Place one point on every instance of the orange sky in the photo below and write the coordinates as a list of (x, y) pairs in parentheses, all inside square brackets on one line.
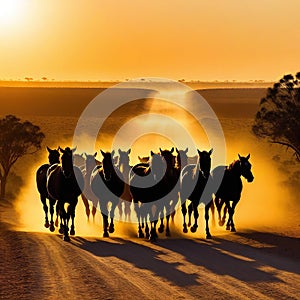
[(118, 39)]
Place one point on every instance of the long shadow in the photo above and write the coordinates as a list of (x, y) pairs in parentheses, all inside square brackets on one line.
[(141, 256), (212, 256), (281, 245)]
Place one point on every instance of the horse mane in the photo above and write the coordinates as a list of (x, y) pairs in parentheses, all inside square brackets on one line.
[(234, 165)]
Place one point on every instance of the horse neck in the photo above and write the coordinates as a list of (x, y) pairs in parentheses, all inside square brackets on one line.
[(124, 168), (199, 169), (53, 160), (235, 169)]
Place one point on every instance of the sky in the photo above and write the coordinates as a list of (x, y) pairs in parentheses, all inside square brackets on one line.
[(176, 39)]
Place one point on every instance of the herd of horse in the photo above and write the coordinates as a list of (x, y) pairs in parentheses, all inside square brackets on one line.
[(154, 186)]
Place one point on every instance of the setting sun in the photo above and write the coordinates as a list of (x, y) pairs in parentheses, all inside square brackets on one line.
[(10, 11)]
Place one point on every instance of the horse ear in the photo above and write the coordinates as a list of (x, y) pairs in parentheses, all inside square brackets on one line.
[(239, 156), (186, 150), (128, 151), (152, 153), (61, 150), (74, 149), (139, 158), (102, 152), (177, 151), (84, 154), (248, 156), (95, 154), (172, 150), (211, 151), (199, 152), (113, 153), (49, 150), (159, 150), (119, 151)]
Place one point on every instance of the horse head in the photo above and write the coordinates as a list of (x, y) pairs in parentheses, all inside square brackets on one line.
[(107, 164), (144, 159), (245, 166), (53, 156), (204, 161), (181, 158), (157, 165), (124, 157), (90, 161), (67, 161)]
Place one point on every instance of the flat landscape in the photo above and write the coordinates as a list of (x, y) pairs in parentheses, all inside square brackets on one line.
[(261, 260)]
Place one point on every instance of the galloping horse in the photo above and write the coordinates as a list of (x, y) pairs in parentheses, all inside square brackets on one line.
[(41, 182), (231, 187), (169, 189), (193, 180), (126, 198), (108, 185), (146, 186), (65, 183), (88, 195)]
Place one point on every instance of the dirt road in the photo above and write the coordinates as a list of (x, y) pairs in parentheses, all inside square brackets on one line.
[(247, 265)]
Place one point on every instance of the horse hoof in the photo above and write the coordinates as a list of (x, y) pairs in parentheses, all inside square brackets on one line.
[(168, 233), (141, 235), (72, 232), (233, 229), (56, 223), (105, 234), (152, 238), (193, 229), (189, 224), (47, 224), (52, 228), (185, 230), (111, 229), (66, 238), (227, 227), (161, 229), (208, 236), (221, 223), (61, 230)]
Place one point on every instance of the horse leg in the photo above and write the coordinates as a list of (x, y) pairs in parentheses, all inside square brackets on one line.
[(196, 215), (183, 211), (94, 213), (231, 217), (104, 212), (112, 215), (207, 207), (86, 204), (212, 208), (168, 213), (64, 218), (52, 203), (162, 216), (228, 224), (224, 215), (127, 210), (153, 233), (72, 215), (120, 208), (138, 214), (45, 208), (190, 210)]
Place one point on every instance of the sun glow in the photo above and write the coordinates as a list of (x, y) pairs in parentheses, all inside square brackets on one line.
[(10, 11)]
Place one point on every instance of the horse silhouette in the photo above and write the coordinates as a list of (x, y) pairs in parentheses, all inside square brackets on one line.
[(169, 189), (146, 187), (193, 180), (108, 185), (87, 195), (41, 182), (65, 183), (126, 198), (231, 187)]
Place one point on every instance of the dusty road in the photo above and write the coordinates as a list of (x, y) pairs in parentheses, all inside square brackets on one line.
[(247, 265)]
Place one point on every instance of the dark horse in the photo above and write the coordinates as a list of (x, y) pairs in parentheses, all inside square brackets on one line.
[(65, 183), (193, 180), (231, 187), (108, 185), (41, 182), (150, 190)]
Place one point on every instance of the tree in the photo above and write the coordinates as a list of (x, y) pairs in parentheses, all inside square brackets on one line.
[(16, 140), (278, 118)]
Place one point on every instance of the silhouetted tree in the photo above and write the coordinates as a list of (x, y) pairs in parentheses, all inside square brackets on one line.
[(278, 118), (16, 140)]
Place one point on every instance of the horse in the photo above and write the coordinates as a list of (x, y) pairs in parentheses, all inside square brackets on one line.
[(88, 195), (150, 189), (126, 198), (65, 183), (231, 187), (41, 182), (108, 185), (170, 186), (193, 179)]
